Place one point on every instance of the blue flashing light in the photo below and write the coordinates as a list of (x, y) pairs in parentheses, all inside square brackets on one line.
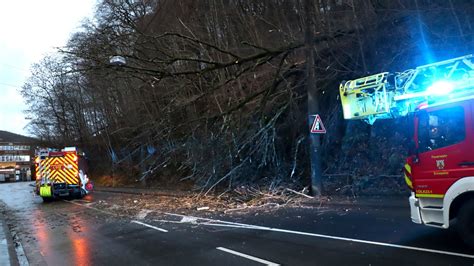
[(441, 87)]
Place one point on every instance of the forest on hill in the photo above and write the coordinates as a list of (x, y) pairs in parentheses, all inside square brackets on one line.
[(213, 94)]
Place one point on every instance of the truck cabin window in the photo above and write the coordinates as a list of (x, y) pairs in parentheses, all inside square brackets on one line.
[(441, 128)]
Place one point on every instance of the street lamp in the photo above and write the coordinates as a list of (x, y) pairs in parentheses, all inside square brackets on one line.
[(117, 60)]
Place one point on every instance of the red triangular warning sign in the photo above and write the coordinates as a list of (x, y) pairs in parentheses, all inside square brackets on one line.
[(318, 126)]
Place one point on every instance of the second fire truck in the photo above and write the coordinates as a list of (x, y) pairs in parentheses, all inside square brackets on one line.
[(61, 174)]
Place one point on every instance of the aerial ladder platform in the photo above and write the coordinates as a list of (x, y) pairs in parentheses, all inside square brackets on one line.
[(390, 95)]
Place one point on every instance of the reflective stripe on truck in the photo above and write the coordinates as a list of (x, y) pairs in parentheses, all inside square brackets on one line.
[(61, 169)]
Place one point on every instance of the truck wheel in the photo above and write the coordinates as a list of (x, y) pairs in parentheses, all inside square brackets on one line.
[(465, 224)]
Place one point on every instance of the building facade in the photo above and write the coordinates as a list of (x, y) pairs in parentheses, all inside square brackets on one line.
[(16, 157)]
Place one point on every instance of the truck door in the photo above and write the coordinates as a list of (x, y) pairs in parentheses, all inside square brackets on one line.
[(444, 149)]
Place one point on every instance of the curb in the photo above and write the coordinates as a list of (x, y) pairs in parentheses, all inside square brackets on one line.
[(10, 246), (139, 191), (388, 202)]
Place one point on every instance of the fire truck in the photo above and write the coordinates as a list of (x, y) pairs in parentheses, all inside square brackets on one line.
[(439, 170), (61, 174)]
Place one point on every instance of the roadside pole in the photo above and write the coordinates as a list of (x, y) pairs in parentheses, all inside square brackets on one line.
[(313, 104)]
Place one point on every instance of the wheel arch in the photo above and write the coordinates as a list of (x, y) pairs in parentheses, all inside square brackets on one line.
[(460, 192), (458, 202)]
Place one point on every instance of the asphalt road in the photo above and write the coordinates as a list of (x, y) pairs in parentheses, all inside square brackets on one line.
[(375, 232)]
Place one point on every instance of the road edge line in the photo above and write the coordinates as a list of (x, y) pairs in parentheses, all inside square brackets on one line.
[(220, 223)]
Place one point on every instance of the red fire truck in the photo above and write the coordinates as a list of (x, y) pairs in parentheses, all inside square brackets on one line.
[(440, 167), (61, 173)]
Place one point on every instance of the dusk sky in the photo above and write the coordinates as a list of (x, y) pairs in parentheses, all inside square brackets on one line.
[(29, 30)]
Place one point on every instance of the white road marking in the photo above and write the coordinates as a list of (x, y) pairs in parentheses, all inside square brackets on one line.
[(219, 223), (266, 262), (194, 219), (150, 226), (114, 214), (92, 208)]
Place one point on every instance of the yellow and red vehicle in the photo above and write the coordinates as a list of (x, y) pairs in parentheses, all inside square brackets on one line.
[(440, 168), (61, 173)]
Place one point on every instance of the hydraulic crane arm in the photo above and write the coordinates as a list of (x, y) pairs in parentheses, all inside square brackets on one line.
[(389, 95)]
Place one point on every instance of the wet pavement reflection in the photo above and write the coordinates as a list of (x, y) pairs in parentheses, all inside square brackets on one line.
[(79, 232), (81, 251), (57, 232)]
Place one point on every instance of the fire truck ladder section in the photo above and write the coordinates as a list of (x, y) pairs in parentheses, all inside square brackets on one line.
[(389, 95)]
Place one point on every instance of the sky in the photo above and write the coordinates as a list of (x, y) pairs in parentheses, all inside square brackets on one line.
[(30, 29)]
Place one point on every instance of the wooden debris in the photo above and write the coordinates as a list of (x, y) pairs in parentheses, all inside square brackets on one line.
[(299, 193)]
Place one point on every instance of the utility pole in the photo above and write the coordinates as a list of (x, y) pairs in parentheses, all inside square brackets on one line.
[(313, 103)]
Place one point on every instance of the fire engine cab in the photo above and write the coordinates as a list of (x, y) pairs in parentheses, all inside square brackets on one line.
[(440, 167), (61, 173)]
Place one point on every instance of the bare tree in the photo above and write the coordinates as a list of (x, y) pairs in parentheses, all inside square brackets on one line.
[(213, 91)]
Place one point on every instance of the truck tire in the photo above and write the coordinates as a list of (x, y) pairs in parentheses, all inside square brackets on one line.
[(465, 225)]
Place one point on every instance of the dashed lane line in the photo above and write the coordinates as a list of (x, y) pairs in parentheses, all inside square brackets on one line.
[(266, 262)]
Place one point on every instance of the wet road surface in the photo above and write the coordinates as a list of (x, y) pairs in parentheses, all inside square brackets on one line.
[(76, 233)]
